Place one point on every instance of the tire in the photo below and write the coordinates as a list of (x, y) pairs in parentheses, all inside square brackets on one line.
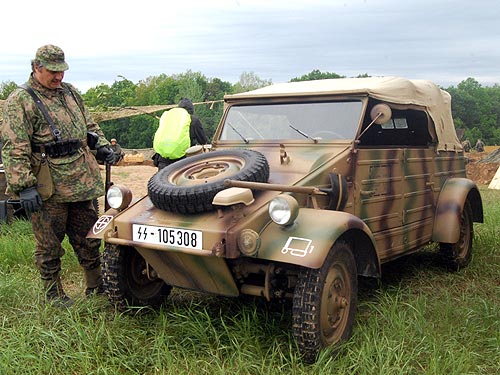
[(458, 255), (189, 185), (95, 203), (325, 302), (126, 282)]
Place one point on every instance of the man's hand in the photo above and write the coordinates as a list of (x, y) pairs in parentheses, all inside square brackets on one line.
[(105, 155), (30, 199)]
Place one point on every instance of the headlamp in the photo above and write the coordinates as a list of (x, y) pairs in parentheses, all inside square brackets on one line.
[(118, 197), (283, 210)]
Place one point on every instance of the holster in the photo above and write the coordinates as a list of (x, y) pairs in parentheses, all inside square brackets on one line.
[(45, 185)]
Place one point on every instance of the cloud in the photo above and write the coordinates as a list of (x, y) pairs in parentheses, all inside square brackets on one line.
[(445, 41)]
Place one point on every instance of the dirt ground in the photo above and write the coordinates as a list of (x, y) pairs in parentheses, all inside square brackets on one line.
[(135, 177), (479, 172)]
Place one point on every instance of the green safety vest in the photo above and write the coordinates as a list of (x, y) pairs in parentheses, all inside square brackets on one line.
[(172, 136)]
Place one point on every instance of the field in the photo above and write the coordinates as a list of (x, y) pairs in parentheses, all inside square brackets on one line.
[(420, 319)]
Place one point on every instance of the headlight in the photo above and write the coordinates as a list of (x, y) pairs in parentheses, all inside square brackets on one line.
[(283, 210), (118, 197)]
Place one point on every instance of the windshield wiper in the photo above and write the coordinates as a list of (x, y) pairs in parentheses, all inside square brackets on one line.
[(237, 132), (302, 133)]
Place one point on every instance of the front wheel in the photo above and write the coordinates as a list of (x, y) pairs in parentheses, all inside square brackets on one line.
[(324, 303), (458, 255), (129, 281)]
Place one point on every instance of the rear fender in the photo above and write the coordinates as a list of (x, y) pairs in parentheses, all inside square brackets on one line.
[(309, 239), (450, 204)]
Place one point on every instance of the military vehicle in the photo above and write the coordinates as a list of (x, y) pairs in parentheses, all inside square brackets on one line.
[(306, 187)]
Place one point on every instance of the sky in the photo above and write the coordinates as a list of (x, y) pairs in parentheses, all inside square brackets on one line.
[(445, 41)]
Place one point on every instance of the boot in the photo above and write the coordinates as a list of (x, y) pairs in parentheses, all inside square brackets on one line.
[(93, 281), (55, 293)]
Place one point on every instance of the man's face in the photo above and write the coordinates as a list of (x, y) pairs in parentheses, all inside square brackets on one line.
[(48, 78)]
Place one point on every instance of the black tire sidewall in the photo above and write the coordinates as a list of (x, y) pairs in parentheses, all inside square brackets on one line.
[(453, 256), (119, 285), (197, 198), (307, 304)]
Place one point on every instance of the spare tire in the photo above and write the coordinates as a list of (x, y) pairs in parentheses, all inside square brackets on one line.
[(189, 185)]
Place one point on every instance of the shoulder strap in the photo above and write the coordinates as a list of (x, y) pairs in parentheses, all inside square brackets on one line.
[(53, 128), (77, 99)]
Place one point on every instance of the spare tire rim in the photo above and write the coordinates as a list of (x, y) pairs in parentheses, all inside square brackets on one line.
[(207, 171)]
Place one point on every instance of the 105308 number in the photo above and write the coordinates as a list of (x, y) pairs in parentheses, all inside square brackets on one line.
[(190, 239)]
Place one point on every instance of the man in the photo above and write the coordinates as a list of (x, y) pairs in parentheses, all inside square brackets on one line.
[(196, 134), (466, 145), (119, 154), (479, 145), (50, 167)]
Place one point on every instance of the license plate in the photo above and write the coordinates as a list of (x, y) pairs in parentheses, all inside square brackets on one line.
[(188, 239)]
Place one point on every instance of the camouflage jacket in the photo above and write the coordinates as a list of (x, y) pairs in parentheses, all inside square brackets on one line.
[(76, 177), (117, 149)]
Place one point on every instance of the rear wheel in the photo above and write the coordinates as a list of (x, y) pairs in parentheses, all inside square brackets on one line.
[(458, 255), (324, 303), (129, 281)]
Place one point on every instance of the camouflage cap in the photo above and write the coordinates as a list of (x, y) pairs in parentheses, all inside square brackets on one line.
[(51, 57)]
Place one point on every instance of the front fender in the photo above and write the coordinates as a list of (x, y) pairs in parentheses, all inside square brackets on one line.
[(450, 204), (103, 224), (308, 241)]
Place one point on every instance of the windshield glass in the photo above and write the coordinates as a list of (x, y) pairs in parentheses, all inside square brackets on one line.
[(321, 121)]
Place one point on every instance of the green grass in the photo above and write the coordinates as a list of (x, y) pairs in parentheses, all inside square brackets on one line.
[(421, 319)]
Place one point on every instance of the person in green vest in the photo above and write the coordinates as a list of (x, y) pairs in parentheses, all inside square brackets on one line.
[(179, 129)]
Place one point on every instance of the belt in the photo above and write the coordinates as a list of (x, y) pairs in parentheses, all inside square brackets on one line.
[(59, 148)]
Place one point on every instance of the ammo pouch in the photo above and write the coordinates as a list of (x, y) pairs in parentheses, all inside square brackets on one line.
[(58, 149)]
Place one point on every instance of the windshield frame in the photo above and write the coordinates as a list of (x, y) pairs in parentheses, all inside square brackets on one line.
[(297, 130)]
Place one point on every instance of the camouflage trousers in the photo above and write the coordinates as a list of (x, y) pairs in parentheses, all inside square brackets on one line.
[(52, 223)]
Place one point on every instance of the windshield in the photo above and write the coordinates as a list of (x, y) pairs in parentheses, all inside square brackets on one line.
[(318, 121)]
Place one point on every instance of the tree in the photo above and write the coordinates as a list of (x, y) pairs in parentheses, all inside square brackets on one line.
[(191, 85), (476, 109), (250, 81), (6, 88), (160, 89), (315, 75), (99, 97)]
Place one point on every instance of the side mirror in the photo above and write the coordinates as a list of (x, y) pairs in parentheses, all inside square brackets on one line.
[(380, 114)]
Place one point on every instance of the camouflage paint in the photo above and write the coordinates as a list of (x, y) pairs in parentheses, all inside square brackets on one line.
[(449, 208), (394, 206)]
